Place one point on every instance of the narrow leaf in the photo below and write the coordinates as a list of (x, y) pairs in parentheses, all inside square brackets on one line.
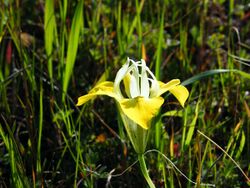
[(49, 32), (76, 27), (213, 72)]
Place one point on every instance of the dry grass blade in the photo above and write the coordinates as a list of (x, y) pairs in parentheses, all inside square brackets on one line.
[(238, 166)]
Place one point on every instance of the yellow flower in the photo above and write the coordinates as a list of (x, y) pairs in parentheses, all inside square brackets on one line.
[(138, 95), (141, 99)]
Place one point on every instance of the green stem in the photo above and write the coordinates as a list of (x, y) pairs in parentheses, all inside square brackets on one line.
[(144, 170)]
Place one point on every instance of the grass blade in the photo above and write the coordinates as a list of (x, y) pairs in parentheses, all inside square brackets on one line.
[(192, 127), (157, 72), (38, 161), (77, 24), (213, 72), (49, 33), (159, 46), (18, 178), (236, 164)]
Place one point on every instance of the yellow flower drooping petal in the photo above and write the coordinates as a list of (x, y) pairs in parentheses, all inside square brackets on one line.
[(166, 87), (141, 110), (104, 88), (181, 93)]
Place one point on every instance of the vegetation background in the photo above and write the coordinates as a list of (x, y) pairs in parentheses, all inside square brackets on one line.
[(52, 52)]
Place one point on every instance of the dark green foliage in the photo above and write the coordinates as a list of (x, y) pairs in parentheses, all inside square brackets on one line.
[(52, 52)]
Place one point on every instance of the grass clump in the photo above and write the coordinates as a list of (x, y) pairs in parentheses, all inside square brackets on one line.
[(51, 52)]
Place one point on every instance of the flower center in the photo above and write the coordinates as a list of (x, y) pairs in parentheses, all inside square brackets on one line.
[(138, 80)]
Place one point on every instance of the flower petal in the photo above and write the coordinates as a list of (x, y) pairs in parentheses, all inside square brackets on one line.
[(141, 110), (181, 93), (154, 90), (134, 85), (126, 82), (104, 88), (144, 80), (119, 76), (166, 87)]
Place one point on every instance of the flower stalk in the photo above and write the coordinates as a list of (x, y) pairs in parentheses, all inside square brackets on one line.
[(144, 170)]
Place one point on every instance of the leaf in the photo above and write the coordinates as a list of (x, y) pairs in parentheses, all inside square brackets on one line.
[(76, 27), (213, 72), (49, 32), (242, 144), (175, 113), (192, 126)]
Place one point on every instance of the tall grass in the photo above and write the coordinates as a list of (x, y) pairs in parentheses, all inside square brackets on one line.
[(50, 34), (77, 26), (52, 52)]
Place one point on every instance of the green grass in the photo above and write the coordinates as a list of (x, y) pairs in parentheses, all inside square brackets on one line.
[(52, 52)]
